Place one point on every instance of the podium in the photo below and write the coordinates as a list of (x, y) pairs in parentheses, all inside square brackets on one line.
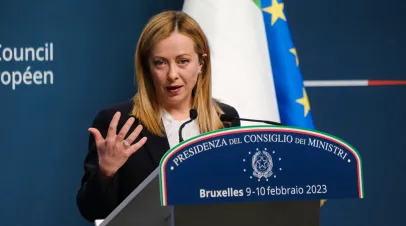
[(243, 176)]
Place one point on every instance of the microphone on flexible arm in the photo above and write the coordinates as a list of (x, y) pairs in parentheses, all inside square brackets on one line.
[(192, 116), (228, 118)]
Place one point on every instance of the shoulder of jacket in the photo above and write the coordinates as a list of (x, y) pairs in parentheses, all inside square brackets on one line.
[(107, 113), (227, 108)]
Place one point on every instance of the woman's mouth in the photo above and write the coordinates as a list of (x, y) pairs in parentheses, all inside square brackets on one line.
[(174, 89)]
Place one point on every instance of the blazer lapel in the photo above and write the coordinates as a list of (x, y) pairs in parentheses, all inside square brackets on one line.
[(156, 146)]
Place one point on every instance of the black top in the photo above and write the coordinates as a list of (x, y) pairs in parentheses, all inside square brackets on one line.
[(96, 200)]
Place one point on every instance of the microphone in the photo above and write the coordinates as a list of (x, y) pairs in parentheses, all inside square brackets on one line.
[(193, 116), (228, 118)]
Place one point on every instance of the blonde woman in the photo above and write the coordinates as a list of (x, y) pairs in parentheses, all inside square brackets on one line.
[(128, 140)]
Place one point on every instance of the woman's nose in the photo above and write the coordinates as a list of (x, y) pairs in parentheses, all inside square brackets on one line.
[(173, 72)]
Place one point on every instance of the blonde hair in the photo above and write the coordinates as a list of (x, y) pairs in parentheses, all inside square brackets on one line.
[(145, 107)]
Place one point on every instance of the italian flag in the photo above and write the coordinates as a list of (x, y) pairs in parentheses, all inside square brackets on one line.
[(241, 69)]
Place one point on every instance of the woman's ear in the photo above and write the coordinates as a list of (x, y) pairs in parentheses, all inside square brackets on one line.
[(201, 66)]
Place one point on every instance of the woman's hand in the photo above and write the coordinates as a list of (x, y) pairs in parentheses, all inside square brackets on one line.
[(115, 150)]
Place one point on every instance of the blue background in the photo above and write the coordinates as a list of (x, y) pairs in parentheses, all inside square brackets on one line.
[(44, 128)]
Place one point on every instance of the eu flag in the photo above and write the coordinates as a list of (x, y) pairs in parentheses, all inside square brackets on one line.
[(293, 103)]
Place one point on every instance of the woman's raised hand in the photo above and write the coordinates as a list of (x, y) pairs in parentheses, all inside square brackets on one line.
[(114, 150)]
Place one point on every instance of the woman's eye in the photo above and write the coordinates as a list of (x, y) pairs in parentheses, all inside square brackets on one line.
[(184, 61), (158, 62)]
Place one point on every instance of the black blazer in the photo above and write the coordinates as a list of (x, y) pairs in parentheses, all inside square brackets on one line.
[(95, 199)]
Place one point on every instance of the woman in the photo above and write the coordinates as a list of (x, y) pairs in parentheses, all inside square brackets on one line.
[(128, 140)]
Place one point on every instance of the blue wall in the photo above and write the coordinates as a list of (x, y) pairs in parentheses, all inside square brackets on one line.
[(360, 39), (44, 127)]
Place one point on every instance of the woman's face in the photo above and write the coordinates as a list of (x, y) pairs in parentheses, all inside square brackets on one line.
[(174, 67)]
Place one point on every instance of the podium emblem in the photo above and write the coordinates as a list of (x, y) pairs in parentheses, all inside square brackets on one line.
[(262, 164)]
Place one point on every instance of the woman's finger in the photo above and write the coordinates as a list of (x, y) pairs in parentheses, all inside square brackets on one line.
[(97, 136), (130, 139), (124, 130), (135, 147), (112, 131)]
